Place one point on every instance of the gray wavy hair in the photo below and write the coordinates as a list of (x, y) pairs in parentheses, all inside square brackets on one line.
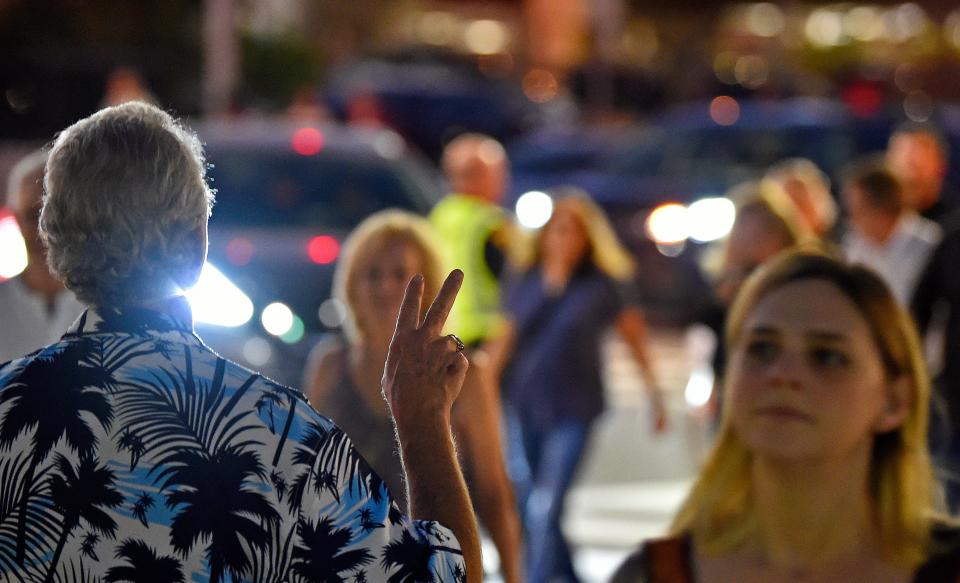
[(125, 196)]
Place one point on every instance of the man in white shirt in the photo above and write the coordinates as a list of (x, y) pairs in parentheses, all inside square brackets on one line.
[(35, 308), (884, 234)]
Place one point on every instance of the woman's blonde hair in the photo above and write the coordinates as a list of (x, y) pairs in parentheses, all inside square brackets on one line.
[(718, 511), (606, 252), (372, 236)]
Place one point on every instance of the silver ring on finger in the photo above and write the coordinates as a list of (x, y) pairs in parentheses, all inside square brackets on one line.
[(456, 340)]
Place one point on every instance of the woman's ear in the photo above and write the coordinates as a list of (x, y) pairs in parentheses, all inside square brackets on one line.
[(897, 406)]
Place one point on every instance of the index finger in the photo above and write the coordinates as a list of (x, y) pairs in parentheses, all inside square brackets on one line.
[(409, 316), (440, 308)]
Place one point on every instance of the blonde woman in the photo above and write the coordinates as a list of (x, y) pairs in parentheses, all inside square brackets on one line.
[(567, 294), (343, 374), (820, 472)]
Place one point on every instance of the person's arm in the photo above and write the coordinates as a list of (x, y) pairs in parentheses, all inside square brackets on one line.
[(477, 426), (498, 350), (423, 375), (632, 326), (324, 368)]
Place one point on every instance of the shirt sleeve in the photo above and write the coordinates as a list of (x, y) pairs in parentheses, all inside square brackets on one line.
[(344, 501)]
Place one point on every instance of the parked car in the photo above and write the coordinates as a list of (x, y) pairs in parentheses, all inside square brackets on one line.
[(430, 95), (287, 195)]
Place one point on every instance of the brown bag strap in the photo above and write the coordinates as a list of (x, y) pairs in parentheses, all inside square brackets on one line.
[(668, 560)]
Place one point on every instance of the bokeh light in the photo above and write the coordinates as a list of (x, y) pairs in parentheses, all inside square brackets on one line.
[(710, 219), (724, 110), (307, 141), (323, 249), (540, 85), (13, 250), (257, 351), (239, 251), (486, 37), (765, 19), (332, 313), (668, 224), (534, 209), (277, 319), (217, 300)]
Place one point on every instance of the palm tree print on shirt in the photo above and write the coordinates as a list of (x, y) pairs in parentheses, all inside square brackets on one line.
[(321, 553), (63, 378), (143, 565), (205, 471), (82, 494)]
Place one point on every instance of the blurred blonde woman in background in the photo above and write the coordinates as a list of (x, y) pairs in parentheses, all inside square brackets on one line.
[(820, 472), (567, 293), (343, 374)]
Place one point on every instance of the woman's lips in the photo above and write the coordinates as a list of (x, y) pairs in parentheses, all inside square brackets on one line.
[(783, 413)]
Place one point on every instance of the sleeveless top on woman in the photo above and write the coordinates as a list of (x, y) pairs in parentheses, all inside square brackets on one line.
[(370, 427)]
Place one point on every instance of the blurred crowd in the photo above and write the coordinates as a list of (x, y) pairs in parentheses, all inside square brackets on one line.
[(818, 286)]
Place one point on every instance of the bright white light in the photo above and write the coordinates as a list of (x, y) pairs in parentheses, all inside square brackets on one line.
[(534, 209), (257, 351), (825, 28), (486, 37), (864, 23), (765, 19), (711, 219), (13, 251), (669, 224), (699, 387), (332, 313), (216, 300), (277, 319)]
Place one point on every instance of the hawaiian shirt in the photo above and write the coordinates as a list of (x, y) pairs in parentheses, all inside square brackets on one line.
[(130, 451)]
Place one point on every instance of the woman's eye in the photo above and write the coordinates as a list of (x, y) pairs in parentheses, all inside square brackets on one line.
[(829, 357), (762, 350)]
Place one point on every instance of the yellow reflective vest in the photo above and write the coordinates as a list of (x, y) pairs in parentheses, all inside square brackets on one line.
[(464, 224)]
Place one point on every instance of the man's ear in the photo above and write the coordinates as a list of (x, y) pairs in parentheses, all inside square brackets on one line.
[(197, 257), (897, 406)]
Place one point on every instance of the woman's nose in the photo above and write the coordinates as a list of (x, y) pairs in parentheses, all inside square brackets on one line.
[(786, 368)]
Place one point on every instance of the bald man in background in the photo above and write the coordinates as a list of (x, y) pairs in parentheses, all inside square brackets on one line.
[(475, 231), (917, 154), (35, 308)]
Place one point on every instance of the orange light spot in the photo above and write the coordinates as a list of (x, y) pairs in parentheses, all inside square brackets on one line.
[(724, 110)]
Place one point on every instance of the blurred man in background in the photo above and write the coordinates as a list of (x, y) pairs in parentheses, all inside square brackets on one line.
[(475, 232), (886, 234), (917, 155), (35, 308)]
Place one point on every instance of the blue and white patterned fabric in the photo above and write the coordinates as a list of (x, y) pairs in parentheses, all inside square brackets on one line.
[(129, 451)]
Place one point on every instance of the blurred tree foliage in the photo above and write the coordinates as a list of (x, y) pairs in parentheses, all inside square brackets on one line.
[(273, 69)]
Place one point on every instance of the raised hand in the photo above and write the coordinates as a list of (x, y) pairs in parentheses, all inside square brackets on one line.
[(424, 371)]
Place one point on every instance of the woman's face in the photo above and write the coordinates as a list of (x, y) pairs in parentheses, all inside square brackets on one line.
[(806, 379), (564, 238), (381, 278)]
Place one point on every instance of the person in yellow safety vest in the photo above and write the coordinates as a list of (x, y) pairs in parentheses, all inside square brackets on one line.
[(475, 232)]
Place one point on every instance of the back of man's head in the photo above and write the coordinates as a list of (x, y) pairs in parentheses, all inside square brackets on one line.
[(878, 186), (476, 165), (126, 205)]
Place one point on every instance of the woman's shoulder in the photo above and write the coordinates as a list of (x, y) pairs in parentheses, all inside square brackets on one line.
[(663, 560), (326, 365), (943, 566)]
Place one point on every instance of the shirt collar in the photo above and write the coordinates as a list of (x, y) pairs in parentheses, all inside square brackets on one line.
[(171, 315)]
